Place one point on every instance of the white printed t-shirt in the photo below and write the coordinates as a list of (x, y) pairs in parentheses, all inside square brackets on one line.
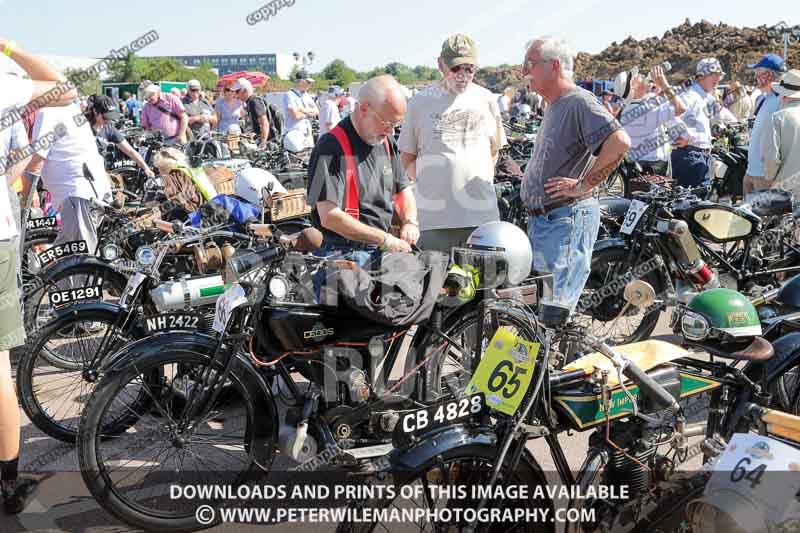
[(452, 136), (14, 92)]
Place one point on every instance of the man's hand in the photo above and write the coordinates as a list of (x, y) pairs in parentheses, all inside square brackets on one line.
[(680, 142), (148, 172), (182, 139), (393, 244), (559, 187), (409, 233), (659, 78)]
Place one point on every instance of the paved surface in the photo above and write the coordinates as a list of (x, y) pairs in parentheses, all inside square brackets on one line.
[(64, 504)]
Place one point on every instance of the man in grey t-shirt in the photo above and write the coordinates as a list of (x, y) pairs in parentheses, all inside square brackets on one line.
[(578, 146), (202, 118)]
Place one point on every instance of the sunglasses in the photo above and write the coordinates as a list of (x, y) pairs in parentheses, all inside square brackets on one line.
[(228, 90), (468, 69), (194, 90)]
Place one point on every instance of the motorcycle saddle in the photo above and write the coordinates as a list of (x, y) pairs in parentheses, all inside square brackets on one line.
[(614, 207), (759, 350), (646, 355)]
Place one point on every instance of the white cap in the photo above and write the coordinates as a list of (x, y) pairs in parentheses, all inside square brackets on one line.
[(243, 83), (194, 84), (150, 90)]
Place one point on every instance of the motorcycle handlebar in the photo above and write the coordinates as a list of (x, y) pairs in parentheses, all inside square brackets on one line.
[(650, 388), (241, 264)]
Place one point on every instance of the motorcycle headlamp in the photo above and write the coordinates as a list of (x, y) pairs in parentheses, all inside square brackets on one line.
[(145, 256), (110, 252), (694, 326)]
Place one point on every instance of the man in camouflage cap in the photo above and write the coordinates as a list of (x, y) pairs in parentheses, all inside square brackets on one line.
[(449, 143)]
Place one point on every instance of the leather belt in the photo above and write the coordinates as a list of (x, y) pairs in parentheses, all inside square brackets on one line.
[(566, 202), (695, 149)]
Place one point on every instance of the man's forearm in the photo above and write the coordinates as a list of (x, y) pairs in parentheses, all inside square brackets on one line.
[(406, 204), (609, 158), (343, 224), (409, 162), (183, 126), (128, 150), (264, 128), (35, 67)]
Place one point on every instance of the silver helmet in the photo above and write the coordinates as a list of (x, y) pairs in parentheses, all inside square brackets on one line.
[(510, 242)]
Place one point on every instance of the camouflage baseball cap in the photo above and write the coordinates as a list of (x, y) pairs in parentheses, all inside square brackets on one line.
[(709, 65), (459, 49)]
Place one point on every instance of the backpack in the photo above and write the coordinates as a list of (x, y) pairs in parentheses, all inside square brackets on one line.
[(275, 118)]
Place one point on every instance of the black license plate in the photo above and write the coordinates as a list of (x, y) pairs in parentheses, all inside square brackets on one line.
[(173, 321), (68, 296), (41, 223), (441, 414), (62, 250)]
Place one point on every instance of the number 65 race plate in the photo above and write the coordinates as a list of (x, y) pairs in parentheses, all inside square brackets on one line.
[(505, 371)]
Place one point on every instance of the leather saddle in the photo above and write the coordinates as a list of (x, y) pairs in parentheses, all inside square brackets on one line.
[(759, 350)]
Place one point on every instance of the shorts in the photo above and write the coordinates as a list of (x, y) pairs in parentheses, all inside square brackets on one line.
[(12, 329), (79, 222)]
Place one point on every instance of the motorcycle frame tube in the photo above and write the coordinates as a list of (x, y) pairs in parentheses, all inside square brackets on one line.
[(592, 467)]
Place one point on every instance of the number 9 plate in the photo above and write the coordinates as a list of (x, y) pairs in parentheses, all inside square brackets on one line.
[(505, 371)]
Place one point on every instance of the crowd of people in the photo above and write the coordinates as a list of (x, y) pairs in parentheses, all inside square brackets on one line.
[(435, 182)]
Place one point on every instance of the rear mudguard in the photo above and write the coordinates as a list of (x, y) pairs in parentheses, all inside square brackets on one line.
[(153, 348), (99, 309), (611, 243)]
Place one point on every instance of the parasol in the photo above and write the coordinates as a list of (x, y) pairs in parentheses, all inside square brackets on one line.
[(256, 78)]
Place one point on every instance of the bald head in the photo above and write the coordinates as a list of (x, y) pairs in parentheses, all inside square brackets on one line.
[(381, 105)]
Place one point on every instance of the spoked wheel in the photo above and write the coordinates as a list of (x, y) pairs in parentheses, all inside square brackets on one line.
[(601, 306), (467, 467), (53, 396), (36, 299), (35, 242), (130, 473), (615, 185), (452, 368)]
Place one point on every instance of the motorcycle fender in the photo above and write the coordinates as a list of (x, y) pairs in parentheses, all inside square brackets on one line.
[(427, 446), (100, 308), (265, 427), (73, 261), (610, 243), (787, 355)]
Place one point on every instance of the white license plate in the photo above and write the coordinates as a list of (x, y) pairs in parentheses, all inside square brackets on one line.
[(232, 298), (62, 250), (442, 414), (632, 217)]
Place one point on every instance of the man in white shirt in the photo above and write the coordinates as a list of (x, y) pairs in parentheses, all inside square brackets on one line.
[(73, 171), (329, 110), (300, 108), (45, 88), (449, 143), (691, 159)]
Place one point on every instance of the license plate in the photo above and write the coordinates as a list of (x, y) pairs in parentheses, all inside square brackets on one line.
[(123, 163), (505, 371), (442, 414), (130, 288), (635, 212), (232, 298), (41, 223), (62, 250), (172, 321), (65, 297)]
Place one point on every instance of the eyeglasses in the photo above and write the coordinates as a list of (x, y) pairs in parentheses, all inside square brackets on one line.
[(194, 90), (530, 64), (228, 90), (386, 124), (468, 69)]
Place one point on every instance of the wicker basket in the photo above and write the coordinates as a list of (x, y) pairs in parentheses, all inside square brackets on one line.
[(642, 183), (222, 178), (289, 205)]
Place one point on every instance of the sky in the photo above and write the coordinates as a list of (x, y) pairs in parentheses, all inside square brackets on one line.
[(363, 33)]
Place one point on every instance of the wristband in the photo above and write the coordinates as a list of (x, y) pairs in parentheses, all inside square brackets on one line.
[(383, 247), (8, 49)]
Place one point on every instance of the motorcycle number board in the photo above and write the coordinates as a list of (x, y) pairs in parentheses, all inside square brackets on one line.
[(62, 250), (505, 371), (232, 298), (41, 223), (442, 414), (635, 212), (761, 469)]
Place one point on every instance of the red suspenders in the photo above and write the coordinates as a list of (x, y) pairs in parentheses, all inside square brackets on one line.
[(351, 200)]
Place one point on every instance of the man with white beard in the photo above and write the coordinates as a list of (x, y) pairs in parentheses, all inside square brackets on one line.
[(449, 144)]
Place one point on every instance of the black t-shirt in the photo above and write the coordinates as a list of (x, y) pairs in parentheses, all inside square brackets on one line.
[(255, 109), (108, 134), (378, 178)]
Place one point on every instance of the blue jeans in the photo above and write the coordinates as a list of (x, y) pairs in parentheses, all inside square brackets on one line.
[(690, 167), (562, 242)]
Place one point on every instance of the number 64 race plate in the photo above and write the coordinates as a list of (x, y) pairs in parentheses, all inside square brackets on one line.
[(505, 371)]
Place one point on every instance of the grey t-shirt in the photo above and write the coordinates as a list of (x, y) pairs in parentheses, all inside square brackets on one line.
[(194, 109), (573, 129)]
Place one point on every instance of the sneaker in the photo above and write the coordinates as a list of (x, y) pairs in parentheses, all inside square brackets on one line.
[(15, 500)]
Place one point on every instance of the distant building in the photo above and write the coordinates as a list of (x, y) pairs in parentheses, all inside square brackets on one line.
[(272, 64)]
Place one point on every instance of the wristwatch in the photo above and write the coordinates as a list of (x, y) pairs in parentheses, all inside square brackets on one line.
[(413, 221)]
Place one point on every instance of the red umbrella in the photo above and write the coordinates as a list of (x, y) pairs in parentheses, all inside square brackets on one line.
[(256, 78)]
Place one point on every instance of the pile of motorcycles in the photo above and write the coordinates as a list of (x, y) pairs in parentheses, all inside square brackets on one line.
[(200, 350)]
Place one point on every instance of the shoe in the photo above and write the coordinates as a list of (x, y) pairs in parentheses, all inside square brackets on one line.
[(18, 498)]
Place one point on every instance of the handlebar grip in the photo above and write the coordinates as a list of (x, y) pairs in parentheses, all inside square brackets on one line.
[(650, 388), (164, 226), (241, 263)]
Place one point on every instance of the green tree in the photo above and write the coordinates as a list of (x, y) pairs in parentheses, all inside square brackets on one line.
[(339, 73), (86, 81)]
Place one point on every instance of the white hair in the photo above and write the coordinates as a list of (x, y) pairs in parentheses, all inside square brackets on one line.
[(553, 48)]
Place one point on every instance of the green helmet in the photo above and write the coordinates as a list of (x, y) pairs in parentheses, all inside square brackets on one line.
[(720, 314)]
